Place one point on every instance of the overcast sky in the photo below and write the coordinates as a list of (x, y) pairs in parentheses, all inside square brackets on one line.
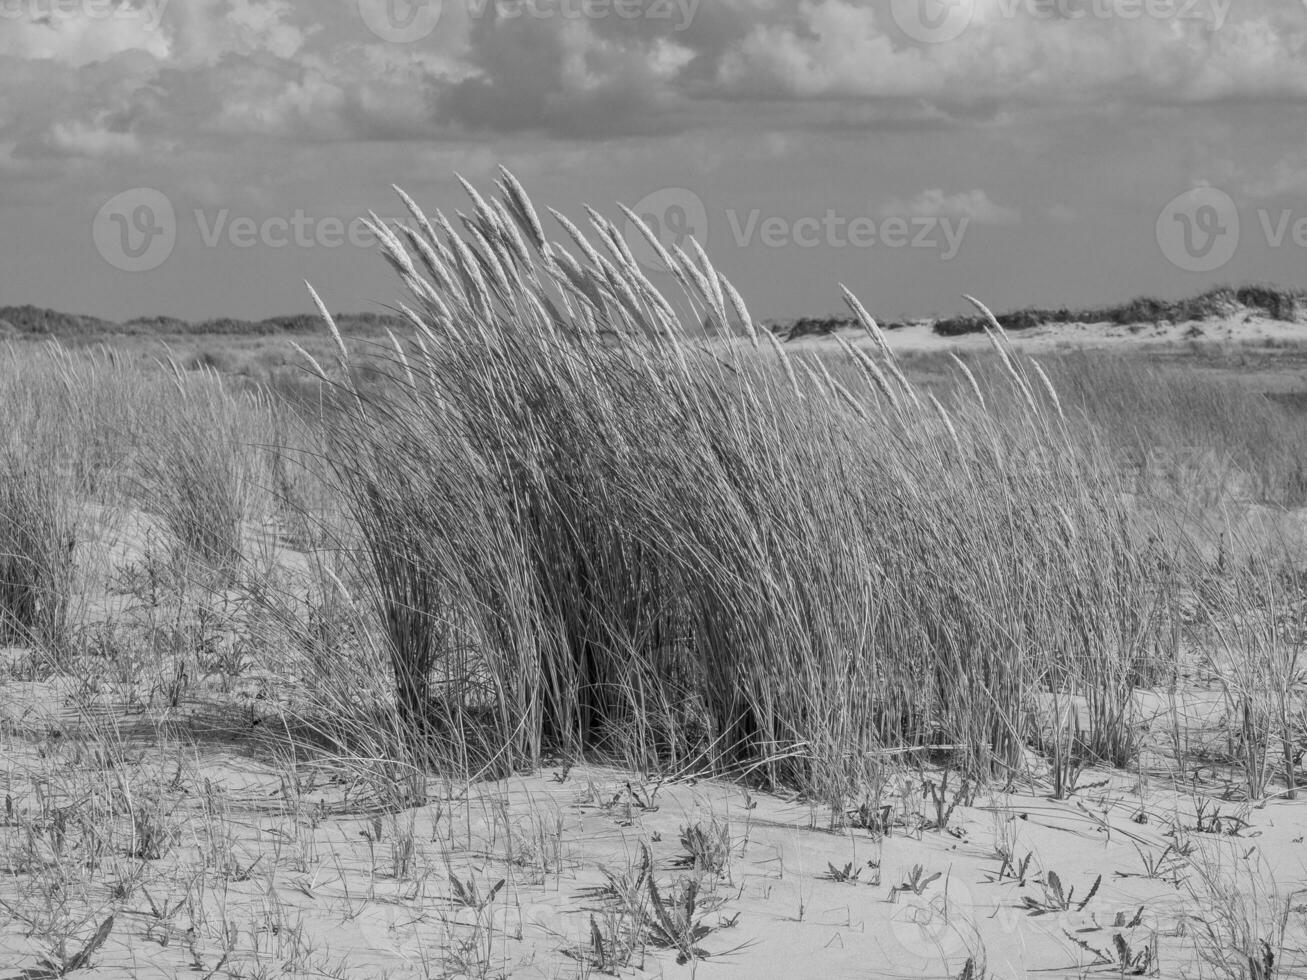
[(200, 158)]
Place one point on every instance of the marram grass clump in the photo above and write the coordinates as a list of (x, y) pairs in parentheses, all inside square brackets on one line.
[(37, 540), (588, 526)]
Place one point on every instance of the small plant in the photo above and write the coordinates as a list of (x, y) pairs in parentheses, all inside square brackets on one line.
[(1072, 754), (1056, 899), (471, 954), (152, 834), (1184, 845), (637, 913), (1013, 869), (1141, 962), (707, 849), (63, 963), (944, 804), (172, 685), (467, 894), (850, 875), (916, 882), (1121, 922), (403, 850), (534, 845), (607, 953), (1241, 921), (1208, 819), (1261, 963), (878, 818), (1129, 961), (165, 911), (1162, 867), (677, 920), (620, 932)]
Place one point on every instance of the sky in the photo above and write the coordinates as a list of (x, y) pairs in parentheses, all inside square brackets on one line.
[(202, 158)]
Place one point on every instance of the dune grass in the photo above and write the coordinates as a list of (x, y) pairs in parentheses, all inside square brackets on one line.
[(562, 520), (37, 538), (588, 532)]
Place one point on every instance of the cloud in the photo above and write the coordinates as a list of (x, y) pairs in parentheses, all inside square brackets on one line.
[(264, 27), (215, 72), (564, 77), (83, 139), (974, 205), (846, 62), (81, 36)]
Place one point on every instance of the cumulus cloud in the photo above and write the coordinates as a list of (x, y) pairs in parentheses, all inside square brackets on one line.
[(83, 139), (265, 26), (564, 76), (82, 35), (840, 61), (974, 205), (222, 70), (1024, 51)]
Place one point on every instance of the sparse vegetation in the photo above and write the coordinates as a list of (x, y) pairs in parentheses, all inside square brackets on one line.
[(1056, 899)]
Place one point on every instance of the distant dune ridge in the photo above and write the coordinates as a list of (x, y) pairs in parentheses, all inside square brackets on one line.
[(1272, 302), (41, 322)]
